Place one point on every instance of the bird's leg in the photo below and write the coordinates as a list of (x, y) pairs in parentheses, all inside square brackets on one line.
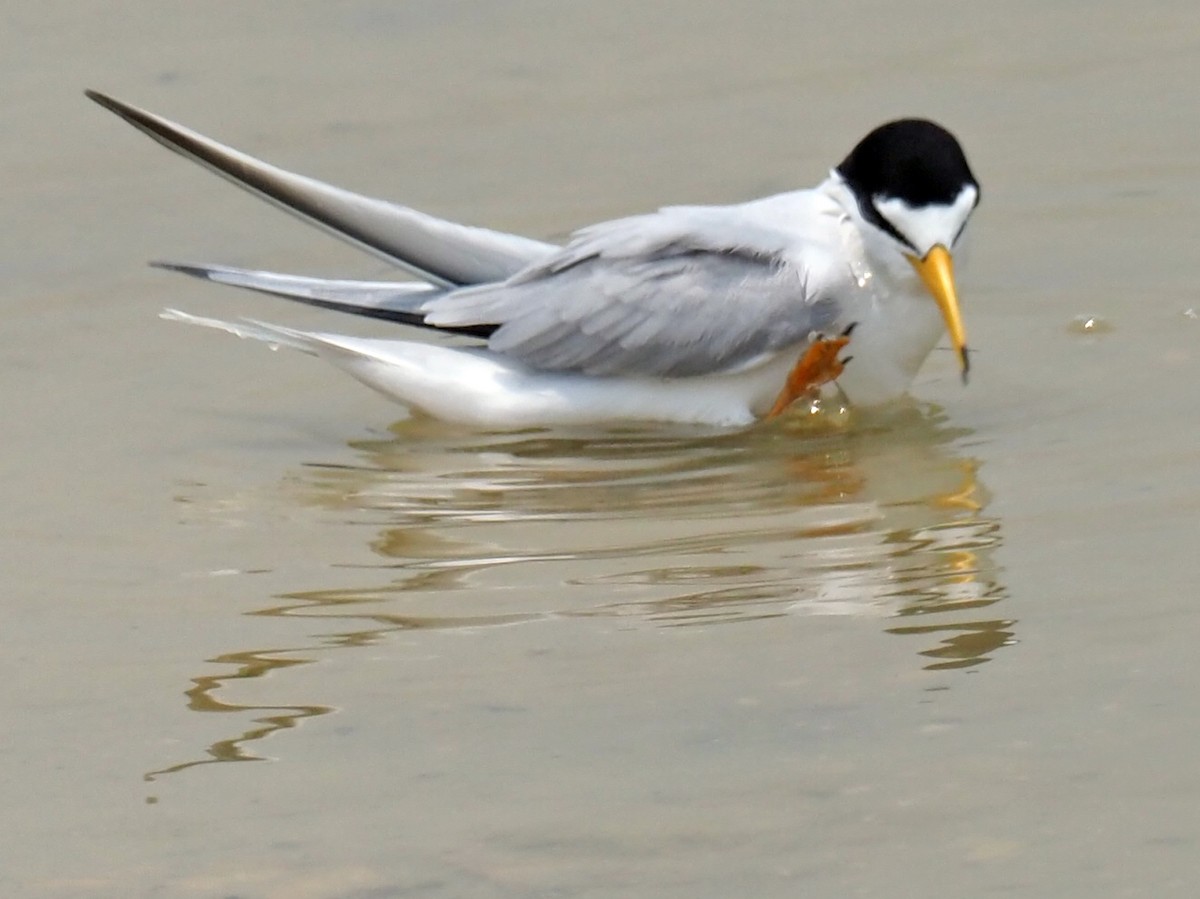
[(818, 365)]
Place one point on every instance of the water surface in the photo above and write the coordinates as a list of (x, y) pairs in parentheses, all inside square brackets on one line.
[(270, 637)]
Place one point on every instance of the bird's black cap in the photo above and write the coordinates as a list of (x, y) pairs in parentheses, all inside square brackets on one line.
[(913, 160)]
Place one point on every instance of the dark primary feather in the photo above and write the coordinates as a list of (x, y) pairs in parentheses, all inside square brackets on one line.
[(385, 300), (437, 250)]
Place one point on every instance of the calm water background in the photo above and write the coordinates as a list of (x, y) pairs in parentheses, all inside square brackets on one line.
[(265, 637)]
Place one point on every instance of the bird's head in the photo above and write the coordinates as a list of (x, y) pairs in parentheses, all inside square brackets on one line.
[(915, 194)]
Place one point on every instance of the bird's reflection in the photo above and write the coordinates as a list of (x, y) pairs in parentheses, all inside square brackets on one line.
[(872, 517)]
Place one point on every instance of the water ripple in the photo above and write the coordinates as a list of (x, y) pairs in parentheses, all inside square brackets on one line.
[(880, 519)]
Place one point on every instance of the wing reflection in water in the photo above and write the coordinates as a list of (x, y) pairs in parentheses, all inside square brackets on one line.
[(881, 517)]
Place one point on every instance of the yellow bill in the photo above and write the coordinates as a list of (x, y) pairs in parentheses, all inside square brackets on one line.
[(937, 272)]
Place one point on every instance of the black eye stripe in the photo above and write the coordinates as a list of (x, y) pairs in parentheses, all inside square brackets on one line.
[(872, 214)]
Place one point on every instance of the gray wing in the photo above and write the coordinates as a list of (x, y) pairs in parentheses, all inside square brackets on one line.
[(439, 251), (678, 310)]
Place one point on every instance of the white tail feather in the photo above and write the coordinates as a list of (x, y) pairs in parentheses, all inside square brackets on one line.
[(273, 335)]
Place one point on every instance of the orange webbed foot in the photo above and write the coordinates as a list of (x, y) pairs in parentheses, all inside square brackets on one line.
[(818, 365)]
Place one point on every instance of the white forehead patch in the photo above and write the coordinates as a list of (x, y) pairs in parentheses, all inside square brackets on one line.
[(928, 226)]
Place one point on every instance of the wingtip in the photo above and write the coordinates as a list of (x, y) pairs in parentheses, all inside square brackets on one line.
[(440, 252), (162, 130), (106, 101), (184, 268)]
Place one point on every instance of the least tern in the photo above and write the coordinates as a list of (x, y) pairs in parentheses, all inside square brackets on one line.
[(706, 314)]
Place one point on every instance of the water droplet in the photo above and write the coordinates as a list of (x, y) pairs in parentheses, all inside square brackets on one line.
[(1090, 324)]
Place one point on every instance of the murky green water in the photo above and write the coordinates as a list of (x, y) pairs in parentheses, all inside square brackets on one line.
[(267, 637)]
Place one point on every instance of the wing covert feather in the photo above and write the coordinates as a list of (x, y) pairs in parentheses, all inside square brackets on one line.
[(672, 310)]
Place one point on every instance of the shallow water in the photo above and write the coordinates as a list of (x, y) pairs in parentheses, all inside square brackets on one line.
[(270, 637)]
